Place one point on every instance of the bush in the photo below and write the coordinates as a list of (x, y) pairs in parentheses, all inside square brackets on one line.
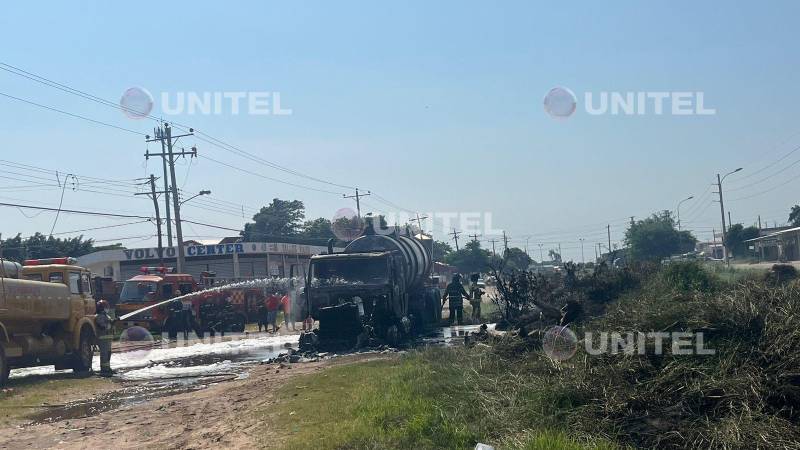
[(688, 276), (745, 395), (781, 273)]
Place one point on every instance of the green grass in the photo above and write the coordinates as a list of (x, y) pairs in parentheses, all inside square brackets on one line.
[(559, 441), (426, 400)]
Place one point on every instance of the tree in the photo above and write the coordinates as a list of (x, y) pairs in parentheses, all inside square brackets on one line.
[(40, 246), (656, 237), (794, 216), (735, 237), (319, 228), (279, 218), (516, 258), (471, 258), (441, 250), (554, 255)]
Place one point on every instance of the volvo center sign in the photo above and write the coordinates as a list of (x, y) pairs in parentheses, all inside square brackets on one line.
[(191, 250)]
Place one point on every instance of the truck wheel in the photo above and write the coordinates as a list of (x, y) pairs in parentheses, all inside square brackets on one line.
[(434, 309), (85, 352), (238, 324), (4, 368)]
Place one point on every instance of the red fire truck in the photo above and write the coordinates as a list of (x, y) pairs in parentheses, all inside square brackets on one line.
[(211, 309), (155, 284)]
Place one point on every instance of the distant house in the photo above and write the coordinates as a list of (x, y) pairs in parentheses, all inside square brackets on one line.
[(444, 272), (710, 249), (780, 245)]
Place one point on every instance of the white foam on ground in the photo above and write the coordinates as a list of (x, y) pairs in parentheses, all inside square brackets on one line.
[(163, 371), (139, 359)]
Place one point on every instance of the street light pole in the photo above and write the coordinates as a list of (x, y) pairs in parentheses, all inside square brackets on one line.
[(680, 244), (722, 212), (679, 210), (206, 192)]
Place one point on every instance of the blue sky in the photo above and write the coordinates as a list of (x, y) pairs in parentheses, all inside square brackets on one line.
[(436, 106)]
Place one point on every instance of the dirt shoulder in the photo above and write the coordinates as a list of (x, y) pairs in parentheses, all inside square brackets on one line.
[(21, 396), (219, 416)]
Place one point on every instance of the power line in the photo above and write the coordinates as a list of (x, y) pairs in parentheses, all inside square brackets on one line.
[(74, 211), (77, 116), (101, 228), (267, 177), (768, 177), (767, 191), (203, 136), (206, 137)]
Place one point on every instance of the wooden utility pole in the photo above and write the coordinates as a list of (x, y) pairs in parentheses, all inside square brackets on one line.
[(419, 222), (154, 196), (505, 242), (159, 134), (357, 196), (165, 135), (455, 235), (474, 237), (494, 253), (722, 212)]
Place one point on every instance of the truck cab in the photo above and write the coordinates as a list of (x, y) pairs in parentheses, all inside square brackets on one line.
[(153, 285), (338, 278), (64, 271)]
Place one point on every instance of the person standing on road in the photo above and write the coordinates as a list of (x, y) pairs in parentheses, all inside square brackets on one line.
[(286, 306), (475, 301), (263, 317), (105, 336), (273, 304), (455, 294), (174, 319)]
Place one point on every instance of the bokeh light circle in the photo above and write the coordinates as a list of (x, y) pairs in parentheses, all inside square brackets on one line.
[(136, 103), (560, 102)]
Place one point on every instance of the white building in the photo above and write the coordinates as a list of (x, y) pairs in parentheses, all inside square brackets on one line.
[(227, 259)]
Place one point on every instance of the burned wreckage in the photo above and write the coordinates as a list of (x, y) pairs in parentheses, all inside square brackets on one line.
[(378, 288)]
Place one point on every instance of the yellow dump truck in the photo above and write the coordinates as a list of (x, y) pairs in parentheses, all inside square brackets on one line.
[(47, 315)]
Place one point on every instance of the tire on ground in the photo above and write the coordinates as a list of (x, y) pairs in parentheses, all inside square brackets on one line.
[(82, 359), (4, 368), (238, 324)]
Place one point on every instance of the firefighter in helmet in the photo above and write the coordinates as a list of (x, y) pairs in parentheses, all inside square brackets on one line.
[(105, 336), (455, 294)]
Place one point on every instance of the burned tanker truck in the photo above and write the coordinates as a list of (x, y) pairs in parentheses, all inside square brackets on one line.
[(379, 287)]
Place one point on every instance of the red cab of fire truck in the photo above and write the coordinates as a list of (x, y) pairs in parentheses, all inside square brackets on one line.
[(153, 285)]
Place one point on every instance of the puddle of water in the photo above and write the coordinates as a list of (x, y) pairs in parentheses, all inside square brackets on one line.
[(165, 372), (116, 399)]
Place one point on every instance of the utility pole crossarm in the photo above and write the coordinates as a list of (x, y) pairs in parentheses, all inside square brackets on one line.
[(357, 196)]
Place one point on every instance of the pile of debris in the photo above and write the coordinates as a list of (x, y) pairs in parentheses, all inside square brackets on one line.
[(309, 352)]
